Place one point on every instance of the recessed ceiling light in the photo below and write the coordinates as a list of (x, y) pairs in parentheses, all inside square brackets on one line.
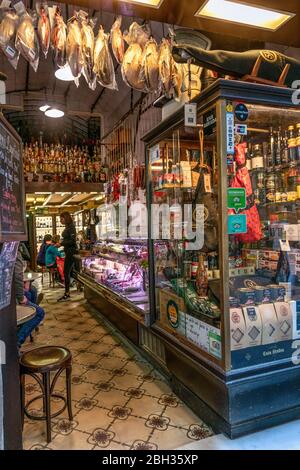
[(54, 113), (64, 74), (148, 3), (236, 11), (44, 108)]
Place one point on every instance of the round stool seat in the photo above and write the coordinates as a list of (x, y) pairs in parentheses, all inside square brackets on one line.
[(46, 358)]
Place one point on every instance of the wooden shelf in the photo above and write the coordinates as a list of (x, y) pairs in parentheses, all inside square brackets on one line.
[(53, 187)]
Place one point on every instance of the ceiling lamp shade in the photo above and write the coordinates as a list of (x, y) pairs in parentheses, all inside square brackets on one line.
[(64, 74), (147, 3), (54, 113), (236, 11), (44, 107)]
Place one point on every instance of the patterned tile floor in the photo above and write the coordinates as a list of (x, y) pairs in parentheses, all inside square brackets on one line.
[(119, 400)]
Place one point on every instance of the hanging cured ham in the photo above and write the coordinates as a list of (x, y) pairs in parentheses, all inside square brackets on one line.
[(131, 67), (117, 40), (27, 42), (43, 28), (150, 65), (242, 180), (103, 64), (88, 42), (166, 65), (8, 28), (74, 48), (59, 39)]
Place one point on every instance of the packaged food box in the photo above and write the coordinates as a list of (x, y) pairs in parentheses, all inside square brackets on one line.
[(238, 338), (253, 326), (270, 325), (284, 315)]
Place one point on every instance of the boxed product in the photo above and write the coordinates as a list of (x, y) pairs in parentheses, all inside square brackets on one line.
[(284, 316), (295, 312), (263, 295), (246, 296), (237, 329), (277, 292), (270, 325), (172, 311), (253, 326)]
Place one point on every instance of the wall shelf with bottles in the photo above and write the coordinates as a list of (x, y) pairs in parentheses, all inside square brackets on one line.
[(236, 299), (64, 164)]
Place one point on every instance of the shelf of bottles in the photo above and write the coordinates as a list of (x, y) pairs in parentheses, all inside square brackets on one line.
[(264, 255), (43, 226), (64, 164), (78, 221), (274, 165)]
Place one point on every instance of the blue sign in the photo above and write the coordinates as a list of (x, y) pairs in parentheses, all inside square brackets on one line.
[(241, 112), (266, 353), (237, 224)]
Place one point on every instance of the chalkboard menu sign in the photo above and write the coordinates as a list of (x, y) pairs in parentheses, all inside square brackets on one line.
[(12, 205)]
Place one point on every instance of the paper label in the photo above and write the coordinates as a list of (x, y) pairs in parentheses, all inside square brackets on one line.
[(190, 115), (230, 133), (5, 3), (236, 198), (20, 8), (241, 129), (154, 153), (237, 224), (207, 183), (284, 245)]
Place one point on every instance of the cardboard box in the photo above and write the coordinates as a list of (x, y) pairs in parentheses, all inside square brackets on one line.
[(237, 329), (270, 326), (253, 326), (284, 315), (172, 311)]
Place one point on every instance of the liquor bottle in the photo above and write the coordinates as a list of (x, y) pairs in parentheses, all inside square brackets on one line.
[(292, 144), (201, 277), (194, 269), (285, 149), (278, 148), (298, 141), (271, 155)]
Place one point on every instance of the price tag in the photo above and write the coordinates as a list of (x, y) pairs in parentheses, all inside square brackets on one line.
[(230, 133), (236, 199), (190, 115)]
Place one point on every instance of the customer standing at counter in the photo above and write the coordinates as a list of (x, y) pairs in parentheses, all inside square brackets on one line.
[(70, 248)]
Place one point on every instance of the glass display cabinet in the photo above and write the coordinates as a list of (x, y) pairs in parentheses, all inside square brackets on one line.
[(115, 276), (224, 251)]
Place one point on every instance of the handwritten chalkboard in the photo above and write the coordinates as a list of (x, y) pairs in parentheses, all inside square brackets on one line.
[(12, 208)]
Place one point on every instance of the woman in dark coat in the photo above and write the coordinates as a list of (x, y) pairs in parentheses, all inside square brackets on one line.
[(70, 248)]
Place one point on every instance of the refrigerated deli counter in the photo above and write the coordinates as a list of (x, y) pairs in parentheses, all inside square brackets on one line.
[(225, 312)]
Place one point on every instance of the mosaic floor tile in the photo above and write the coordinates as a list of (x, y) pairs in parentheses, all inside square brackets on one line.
[(118, 400)]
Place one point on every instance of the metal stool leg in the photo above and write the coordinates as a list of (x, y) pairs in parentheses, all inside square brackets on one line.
[(69, 395), (46, 380), (22, 390)]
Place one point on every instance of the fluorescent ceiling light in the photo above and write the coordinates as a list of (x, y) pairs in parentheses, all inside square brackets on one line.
[(241, 12), (64, 74), (147, 3), (54, 113), (44, 108)]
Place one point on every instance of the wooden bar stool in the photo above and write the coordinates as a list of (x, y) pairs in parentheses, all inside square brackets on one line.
[(39, 363), (52, 276)]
